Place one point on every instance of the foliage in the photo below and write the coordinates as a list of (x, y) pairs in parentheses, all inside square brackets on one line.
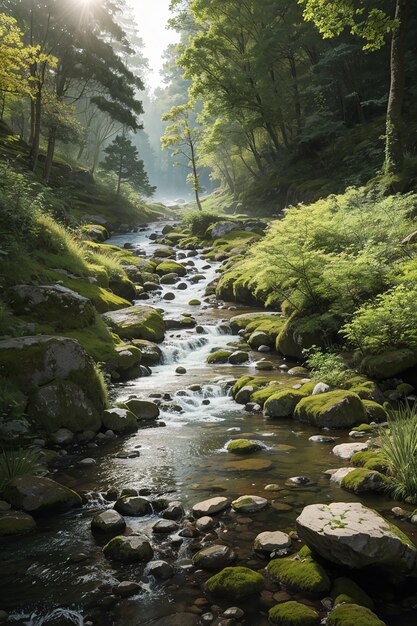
[(12, 400), (15, 463), (199, 221), (122, 159), (399, 450), (327, 367)]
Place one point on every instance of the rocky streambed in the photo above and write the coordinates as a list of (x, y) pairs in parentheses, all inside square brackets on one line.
[(211, 513)]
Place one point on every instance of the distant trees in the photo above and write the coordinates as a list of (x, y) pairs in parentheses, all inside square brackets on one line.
[(123, 160)]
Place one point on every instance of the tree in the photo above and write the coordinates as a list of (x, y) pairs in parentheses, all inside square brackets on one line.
[(122, 158), (15, 58), (372, 24), (184, 135)]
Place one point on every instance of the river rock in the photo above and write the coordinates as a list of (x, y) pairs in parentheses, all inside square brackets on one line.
[(235, 583), (15, 523), (133, 506), (322, 439), (249, 504), (222, 228), (36, 494), (354, 536), (160, 569), (336, 476), (259, 338), (320, 388), (205, 523), (165, 526), (174, 511), (143, 409), (249, 465), (243, 395), (346, 450), (214, 558), (120, 421), (268, 542), (134, 548), (209, 507), (238, 357), (63, 437), (137, 322), (55, 305), (128, 588), (151, 352), (334, 409), (110, 522)]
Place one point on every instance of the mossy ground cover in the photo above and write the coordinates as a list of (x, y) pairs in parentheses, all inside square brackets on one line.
[(301, 573)]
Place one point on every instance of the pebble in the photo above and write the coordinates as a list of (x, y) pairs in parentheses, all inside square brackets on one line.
[(87, 462), (234, 612)]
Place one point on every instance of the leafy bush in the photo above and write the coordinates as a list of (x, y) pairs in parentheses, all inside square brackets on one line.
[(327, 367), (399, 450), (387, 322), (199, 221), (15, 463)]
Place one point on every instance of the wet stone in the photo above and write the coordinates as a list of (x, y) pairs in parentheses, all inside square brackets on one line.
[(165, 527), (128, 588), (205, 523), (211, 506), (160, 569), (108, 522)]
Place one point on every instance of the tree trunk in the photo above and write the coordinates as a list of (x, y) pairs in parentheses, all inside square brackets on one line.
[(34, 152), (394, 149), (50, 154), (196, 183), (119, 176)]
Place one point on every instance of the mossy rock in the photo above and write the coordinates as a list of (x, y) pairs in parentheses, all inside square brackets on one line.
[(137, 322), (300, 573), (308, 388), (103, 299), (366, 389), (194, 302), (283, 403), (151, 352), (38, 494), (375, 411), (353, 615), (370, 459), (126, 362), (264, 365), (95, 232), (293, 614), (260, 396), (235, 583), (132, 549), (346, 591), (241, 382), (220, 356), (16, 523), (363, 428), (291, 341), (238, 357), (169, 267), (389, 364), (363, 480), (334, 409), (56, 305), (405, 389), (122, 286), (120, 420), (243, 446)]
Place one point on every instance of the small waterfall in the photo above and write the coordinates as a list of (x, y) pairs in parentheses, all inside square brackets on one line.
[(178, 351)]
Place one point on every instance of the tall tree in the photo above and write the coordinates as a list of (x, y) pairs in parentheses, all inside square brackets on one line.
[(122, 159)]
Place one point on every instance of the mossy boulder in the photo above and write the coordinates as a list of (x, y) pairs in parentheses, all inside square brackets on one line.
[(169, 267), (37, 494), (120, 420), (133, 506), (260, 396), (144, 410), (283, 403), (235, 583), (362, 480), (125, 362), (346, 591), (366, 389), (108, 522), (137, 322), (293, 614), (243, 446), (55, 305), (95, 232), (300, 573), (370, 459), (132, 549), (60, 380), (264, 365), (238, 357), (334, 409), (220, 356), (151, 352), (122, 286), (259, 338), (389, 364), (353, 614), (291, 341), (16, 523), (375, 411)]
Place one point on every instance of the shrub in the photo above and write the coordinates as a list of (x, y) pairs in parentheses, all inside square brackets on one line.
[(327, 367), (14, 463), (199, 221)]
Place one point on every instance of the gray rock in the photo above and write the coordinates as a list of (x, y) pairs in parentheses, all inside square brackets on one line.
[(120, 421), (132, 549), (175, 510), (258, 339), (160, 569), (165, 526), (209, 507), (110, 522), (338, 475), (15, 523), (128, 588), (346, 451), (205, 523), (36, 494), (354, 536), (268, 542), (62, 437), (322, 439), (214, 558), (234, 612), (320, 388), (143, 409), (133, 506), (249, 504)]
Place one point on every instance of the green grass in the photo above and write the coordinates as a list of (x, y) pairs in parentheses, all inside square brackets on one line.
[(15, 463)]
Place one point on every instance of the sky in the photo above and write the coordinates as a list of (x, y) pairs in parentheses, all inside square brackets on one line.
[(152, 18)]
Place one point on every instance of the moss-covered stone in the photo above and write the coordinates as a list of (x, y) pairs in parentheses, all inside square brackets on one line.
[(308, 388), (363, 428), (260, 396), (334, 409), (16, 523), (363, 480), (194, 302), (37, 494), (366, 389), (220, 356), (264, 365), (151, 352), (353, 615), (375, 411), (238, 357), (301, 573), (283, 403), (132, 549), (137, 322), (235, 583), (389, 364), (120, 420), (293, 614), (243, 446), (370, 459), (169, 267), (346, 591)]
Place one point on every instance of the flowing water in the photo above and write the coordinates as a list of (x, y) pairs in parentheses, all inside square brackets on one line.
[(58, 576)]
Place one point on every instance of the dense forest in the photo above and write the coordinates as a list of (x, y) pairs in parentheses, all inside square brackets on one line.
[(208, 344)]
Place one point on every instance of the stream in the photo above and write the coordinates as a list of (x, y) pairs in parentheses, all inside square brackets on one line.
[(58, 575)]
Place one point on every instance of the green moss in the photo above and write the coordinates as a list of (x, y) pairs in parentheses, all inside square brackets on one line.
[(293, 614), (283, 403), (375, 411), (334, 409), (363, 428), (300, 573), (235, 583), (353, 614), (370, 460), (220, 356), (103, 299), (346, 591), (308, 388), (243, 446), (168, 267), (137, 322), (389, 364), (362, 480), (261, 395), (366, 389), (194, 302)]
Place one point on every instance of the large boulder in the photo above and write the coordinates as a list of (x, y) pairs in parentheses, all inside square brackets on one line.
[(335, 409), (222, 228), (35, 494), (137, 322), (55, 305), (109, 522), (354, 536), (151, 352), (132, 549), (283, 403), (143, 409), (120, 421), (389, 364), (169, 267), (15, 523), (60, 380)]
